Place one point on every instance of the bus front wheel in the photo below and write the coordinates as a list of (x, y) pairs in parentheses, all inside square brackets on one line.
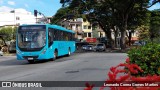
[(69, 52), (55, 55)]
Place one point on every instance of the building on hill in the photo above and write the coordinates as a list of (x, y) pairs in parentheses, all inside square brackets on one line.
[(82, 28)]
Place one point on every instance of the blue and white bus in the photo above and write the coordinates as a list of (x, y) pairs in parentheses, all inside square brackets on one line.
[(43, 42)]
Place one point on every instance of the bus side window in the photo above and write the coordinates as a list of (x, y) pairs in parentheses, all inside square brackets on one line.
[(58, 35), (50, 37), (61, 36), (73, 37), (65, 36), (70, 36), (55, 35)]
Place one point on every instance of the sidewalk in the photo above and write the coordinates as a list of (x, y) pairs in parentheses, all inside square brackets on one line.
[(117, 50), (9, 54), (108, 50)]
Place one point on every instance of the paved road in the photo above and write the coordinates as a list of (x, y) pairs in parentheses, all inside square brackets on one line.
[(90, 66)]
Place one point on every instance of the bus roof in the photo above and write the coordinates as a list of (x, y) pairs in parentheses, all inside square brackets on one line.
[(60, 28), (52, 26)]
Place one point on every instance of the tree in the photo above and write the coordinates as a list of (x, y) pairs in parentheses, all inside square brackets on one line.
[(7, 34), (143, 32), (130, 14), (110, 13), (64, 13), (61, 13), (155, 24)]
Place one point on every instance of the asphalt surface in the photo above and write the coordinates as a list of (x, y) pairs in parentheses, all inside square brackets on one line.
[(90, 66)]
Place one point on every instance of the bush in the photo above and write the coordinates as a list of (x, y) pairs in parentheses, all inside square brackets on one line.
[(147, 57)]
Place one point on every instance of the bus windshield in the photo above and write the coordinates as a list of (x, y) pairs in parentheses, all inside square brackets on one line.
[(31, 38)]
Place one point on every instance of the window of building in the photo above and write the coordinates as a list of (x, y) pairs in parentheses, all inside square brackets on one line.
[(85, 27), (17, 18), (89, 34), (89, 27), (85, 34)]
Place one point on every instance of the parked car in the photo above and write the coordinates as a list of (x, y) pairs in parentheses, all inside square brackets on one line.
[(138, 44), (87, 47), (100, 47), (84, 47), (1, 53)]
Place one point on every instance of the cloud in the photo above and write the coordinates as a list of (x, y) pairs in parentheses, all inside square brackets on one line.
[(5, 9), (11, 3), (21, 10), (18, 10)]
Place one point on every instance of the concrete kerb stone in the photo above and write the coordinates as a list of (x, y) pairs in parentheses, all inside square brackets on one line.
[(9, 54)]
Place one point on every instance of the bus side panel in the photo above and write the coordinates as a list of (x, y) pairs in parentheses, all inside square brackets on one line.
[(73, 46), (61, 46), (52, 49), (64, 47)]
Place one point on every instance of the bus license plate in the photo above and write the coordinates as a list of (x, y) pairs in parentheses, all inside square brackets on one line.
[(30, 58)]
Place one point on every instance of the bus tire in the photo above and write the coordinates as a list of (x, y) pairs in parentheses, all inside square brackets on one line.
[(69, 52), (55, 55), (31, 61)]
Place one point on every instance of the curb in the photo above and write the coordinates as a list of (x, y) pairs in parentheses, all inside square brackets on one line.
[(9, 54)]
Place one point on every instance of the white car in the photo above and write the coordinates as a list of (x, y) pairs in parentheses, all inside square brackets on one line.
[(1, 53)]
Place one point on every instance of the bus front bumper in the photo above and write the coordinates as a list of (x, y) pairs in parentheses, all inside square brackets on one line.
[(31, 55)]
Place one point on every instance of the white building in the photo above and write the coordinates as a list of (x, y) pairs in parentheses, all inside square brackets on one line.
[(17, 17)]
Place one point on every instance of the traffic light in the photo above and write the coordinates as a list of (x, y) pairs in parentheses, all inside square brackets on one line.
[(35, 13)]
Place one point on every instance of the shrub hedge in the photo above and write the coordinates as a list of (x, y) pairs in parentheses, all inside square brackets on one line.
[(147, 57)]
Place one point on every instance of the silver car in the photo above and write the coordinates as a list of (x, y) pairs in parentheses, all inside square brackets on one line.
[(1, 53), (100, 47)]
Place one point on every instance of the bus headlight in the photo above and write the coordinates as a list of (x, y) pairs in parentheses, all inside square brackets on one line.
[(44, 51), (18, 52)]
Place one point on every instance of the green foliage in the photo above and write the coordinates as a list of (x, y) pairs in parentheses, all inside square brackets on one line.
[(155, 23), (147, 57), (6, 31), (143, 32), (66, 13), (124, 14), (7, 34), (61, 13)]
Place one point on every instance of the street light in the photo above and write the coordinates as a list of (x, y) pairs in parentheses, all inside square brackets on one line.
[(14, 20), (36, 12)]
